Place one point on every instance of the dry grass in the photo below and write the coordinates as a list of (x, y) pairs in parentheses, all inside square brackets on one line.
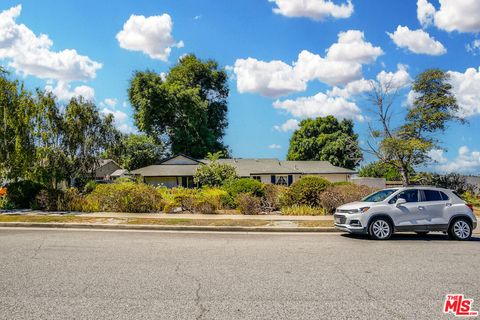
[(133, 221), (316, 223)]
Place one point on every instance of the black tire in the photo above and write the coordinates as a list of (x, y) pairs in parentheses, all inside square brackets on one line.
[(460, 229), (422, 233), (380, 229)]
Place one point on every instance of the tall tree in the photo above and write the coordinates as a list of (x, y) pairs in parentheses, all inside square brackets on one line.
[(135, 151), (17, 108), (87, 135), (187, 110), (407, 146), (326, 139)]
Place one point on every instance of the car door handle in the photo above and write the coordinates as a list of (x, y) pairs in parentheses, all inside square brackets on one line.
[(448, 204), (421, 208)]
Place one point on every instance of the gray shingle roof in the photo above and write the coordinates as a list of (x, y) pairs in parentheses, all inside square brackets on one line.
[(247, 167)]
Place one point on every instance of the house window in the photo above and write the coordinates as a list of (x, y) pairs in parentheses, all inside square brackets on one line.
[(281, 180), (258, 178)]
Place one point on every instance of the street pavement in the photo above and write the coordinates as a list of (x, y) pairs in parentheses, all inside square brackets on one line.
[(75, 274)]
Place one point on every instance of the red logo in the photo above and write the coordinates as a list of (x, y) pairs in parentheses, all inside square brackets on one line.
[(458, 305)]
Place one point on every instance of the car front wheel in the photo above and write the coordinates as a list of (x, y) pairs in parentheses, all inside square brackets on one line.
[(460, 229), (380, 229)]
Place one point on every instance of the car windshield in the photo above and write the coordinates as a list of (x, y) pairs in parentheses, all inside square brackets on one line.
[(379, 196)]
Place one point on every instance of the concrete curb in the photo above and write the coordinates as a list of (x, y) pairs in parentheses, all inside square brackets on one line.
[(164, 227)]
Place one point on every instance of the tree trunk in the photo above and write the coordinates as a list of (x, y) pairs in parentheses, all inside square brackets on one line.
[(405, 176)]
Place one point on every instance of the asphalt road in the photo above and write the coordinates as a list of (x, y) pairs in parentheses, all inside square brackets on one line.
[(54, 274)]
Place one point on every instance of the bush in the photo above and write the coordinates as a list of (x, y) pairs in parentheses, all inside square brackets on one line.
[(22, 194), (471, 198), (272, 198), (302, 210), (248, 204), (125, 197), (336, 195), (235, 187), (72, 200), (49, 199), (89, 186), (306, 191)]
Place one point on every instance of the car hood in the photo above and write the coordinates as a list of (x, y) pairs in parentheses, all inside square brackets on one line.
[(355, 205)]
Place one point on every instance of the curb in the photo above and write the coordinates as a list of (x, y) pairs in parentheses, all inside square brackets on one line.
[(164, 227)]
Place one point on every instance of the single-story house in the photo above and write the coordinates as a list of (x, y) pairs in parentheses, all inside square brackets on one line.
[(180, 169), (105, 168)]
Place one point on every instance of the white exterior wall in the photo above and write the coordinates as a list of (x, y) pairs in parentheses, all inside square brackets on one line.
[(169, 182), (334, 177)]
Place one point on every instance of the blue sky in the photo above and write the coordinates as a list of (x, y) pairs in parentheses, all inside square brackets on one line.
[(287, 59)]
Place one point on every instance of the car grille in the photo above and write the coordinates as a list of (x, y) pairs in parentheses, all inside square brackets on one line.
[(340, 219)]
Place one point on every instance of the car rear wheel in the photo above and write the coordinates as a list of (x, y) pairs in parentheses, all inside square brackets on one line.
[(460, 229), (380, 229)]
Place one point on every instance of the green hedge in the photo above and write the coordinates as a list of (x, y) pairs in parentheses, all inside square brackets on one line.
[(306, 191)]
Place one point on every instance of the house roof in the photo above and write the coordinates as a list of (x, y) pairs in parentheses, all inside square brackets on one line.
[(247, 167), (119, 173)]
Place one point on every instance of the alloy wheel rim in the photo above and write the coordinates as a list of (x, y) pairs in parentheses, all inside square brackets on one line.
[(461, 229), (381, 229)]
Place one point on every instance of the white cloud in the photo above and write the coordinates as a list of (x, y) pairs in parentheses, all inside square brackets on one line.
[(453, 15), (30, 54), (341, 65), (274, 146), (437, 156), (425, 13), (110, 102), (466, 87), (352, 89), (352, 47), (63, 91), (271, 79), (417, 41), (394, 80), (466, 162), (320, 105), (473, 47), (313, 9), (411, 97), (289, 125), (150, 35)]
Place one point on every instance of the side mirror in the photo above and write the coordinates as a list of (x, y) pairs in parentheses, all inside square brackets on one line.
[(400, 201)]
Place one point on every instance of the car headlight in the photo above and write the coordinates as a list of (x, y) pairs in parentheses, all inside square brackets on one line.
[(361, 210)]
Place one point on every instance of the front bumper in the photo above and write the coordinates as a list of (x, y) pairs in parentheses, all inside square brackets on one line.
[(352, 223)]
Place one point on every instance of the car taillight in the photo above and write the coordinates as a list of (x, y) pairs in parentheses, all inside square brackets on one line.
[(470, 206)]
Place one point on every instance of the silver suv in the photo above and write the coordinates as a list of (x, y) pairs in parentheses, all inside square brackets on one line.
[(417, 209)]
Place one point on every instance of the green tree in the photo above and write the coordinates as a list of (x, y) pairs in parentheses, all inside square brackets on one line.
[(407, 146), (380, 169), (135, 151), (17, 108), (87, 135), (214, 173), (326, 139), (187, 110)]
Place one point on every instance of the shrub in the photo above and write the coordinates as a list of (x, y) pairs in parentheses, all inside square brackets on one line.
[(214, 173), (49, 199), (22, 194), (306, 191), (471, 198), (89, 186), (235, 187), (336, 195), (302, 210), (248, 204), (208, 200), (72, 200), (272, 198), (125, 197)]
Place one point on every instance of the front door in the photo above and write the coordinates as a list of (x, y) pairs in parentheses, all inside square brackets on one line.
[(410, 215)]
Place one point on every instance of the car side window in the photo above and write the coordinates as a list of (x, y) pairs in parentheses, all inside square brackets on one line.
[(410, 195), (432, 195), (444, 196)]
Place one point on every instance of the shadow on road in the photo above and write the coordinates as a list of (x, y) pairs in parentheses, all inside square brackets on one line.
[(411, 237)]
